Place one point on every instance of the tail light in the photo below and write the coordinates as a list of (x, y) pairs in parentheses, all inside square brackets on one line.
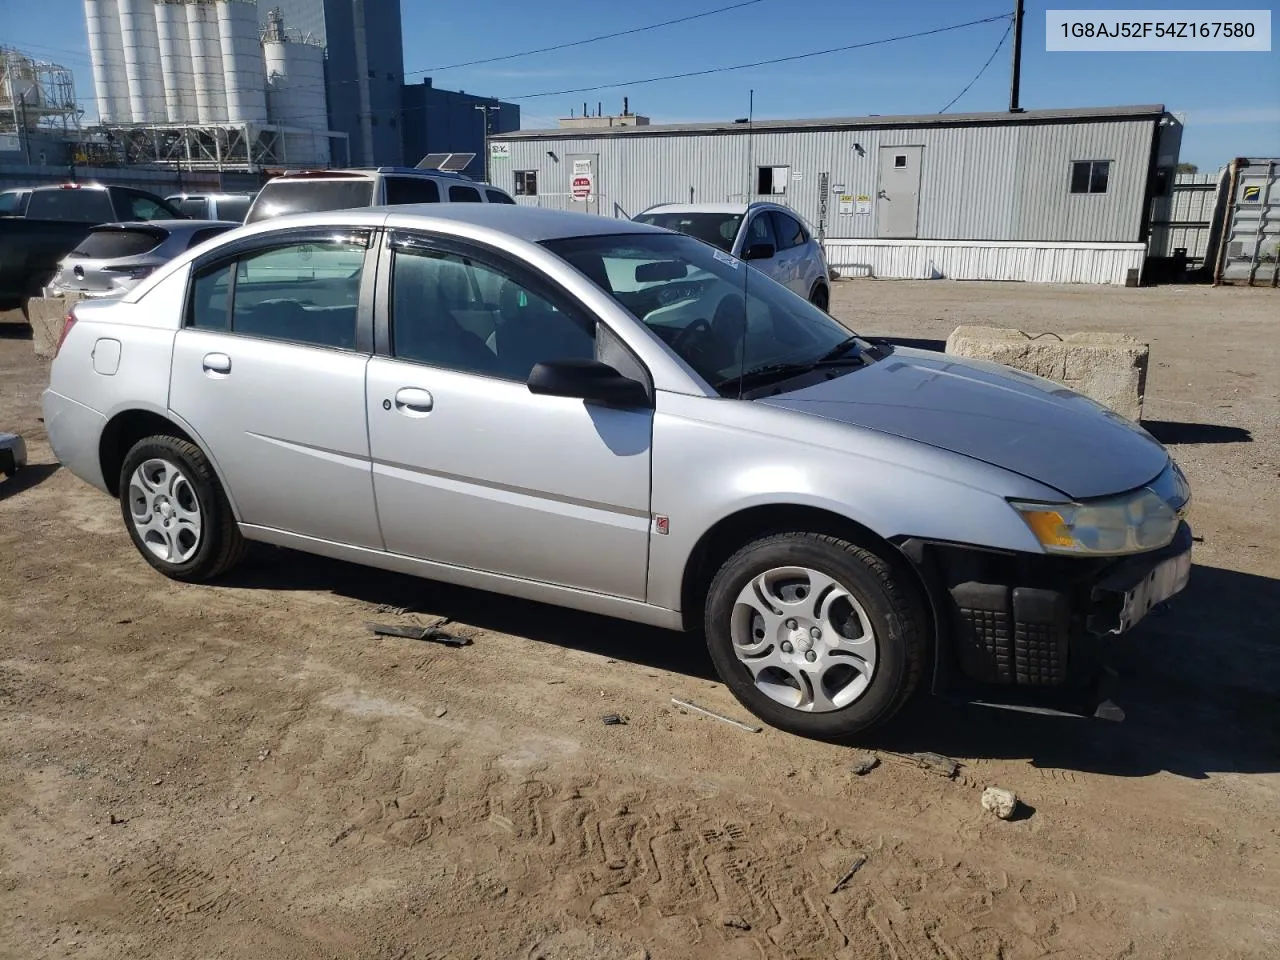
[(67, 324)]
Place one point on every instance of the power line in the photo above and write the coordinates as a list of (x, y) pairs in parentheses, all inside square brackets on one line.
[(579, 43), (1003, 38), (758, 63)]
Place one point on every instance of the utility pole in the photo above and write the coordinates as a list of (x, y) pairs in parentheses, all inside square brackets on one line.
[(484, 108), (1015, 79)]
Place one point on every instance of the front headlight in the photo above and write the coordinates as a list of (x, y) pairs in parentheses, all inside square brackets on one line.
[(1128, 523)]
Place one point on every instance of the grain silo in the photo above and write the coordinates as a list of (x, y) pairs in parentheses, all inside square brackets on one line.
[(106, 50), (242, 68), (176, 61), (142, 61), (206, 58), (296, 93)]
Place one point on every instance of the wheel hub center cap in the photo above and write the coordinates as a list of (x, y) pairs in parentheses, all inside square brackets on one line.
[(166, 509), (800, 640)]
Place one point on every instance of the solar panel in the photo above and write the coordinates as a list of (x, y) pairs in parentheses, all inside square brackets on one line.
[(458, 161), (432, 161)]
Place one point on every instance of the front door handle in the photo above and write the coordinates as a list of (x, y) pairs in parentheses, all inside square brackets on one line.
[(414, 401), (217, 364)]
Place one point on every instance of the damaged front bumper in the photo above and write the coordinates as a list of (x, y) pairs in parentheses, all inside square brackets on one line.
[(1021, 629)]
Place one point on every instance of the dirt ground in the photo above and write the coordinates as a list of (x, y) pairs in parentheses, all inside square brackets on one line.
[(241, 771)]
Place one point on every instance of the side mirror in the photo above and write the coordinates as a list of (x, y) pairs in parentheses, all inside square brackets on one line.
[(588, 380), (759, 251)]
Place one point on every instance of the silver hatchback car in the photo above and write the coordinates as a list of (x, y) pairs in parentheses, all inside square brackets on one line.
[(771, 237), (621, 419), (113, 257)]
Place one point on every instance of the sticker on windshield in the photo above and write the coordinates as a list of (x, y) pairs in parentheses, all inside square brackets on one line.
[(726, 258)]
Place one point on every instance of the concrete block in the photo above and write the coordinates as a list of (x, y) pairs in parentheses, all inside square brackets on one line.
[(1110, 368), (47, 315)]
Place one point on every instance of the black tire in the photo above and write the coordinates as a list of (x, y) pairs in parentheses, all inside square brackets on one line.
[(892, 602), (820, 298), (220, 545)]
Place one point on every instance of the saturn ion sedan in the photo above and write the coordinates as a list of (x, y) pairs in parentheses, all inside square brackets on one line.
[(619, 418)]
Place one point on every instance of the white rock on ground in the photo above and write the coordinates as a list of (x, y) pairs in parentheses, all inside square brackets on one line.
[(999, 801)]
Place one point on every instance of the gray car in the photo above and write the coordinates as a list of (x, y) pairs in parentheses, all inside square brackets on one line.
[(772, 238), (114, 257), (617, 418)]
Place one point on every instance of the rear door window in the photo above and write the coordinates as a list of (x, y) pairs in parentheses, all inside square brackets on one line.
[(113, 244), (283, 197), (197, 208), (232, 208), (412, 190), (759, 231), (139, 206), (461, 194)]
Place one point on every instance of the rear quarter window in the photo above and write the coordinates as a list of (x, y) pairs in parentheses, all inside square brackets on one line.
[(113, 244), (233, 208), (200, 236), (283, 197), (497, 196), (412, 190), (461, 194), (197, 208)]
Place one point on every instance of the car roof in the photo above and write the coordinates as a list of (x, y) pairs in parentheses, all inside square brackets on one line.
[(737, 208), (532, 224), (169, 224)]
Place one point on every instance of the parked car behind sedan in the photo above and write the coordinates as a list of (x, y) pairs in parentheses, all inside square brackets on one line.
[(116, 256), (614, 417), (771, 237), (213, 206)]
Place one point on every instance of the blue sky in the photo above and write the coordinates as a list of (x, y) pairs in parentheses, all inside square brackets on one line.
[(1230, 101)]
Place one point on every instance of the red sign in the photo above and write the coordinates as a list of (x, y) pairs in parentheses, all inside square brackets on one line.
[(581, 188)]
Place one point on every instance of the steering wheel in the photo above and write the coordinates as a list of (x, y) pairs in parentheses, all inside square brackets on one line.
[(700, 324)]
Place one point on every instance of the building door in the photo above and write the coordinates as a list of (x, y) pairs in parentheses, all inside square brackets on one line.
[(898, 201), (584, 182)]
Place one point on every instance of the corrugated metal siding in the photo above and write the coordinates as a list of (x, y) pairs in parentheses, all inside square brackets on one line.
[(1048, 210), (922, 260), (997, 182), (1184, 218)]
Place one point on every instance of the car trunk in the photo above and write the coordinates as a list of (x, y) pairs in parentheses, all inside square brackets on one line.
[(107, 257)]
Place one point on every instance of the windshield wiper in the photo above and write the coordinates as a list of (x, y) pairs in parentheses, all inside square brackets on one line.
[(785, 369)]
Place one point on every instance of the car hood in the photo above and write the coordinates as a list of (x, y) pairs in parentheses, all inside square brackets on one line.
[(1005, 417)]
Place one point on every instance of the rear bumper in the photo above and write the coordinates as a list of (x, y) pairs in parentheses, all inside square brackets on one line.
[(1030, 622), (75, 433)]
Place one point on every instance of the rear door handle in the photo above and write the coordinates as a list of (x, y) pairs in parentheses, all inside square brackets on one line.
[(217, 364), (414, 401)]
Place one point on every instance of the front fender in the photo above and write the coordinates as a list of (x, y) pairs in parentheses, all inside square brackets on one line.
[(714, 458)]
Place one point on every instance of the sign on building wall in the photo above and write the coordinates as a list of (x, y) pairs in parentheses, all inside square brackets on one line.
[(499, 151), (863, 206), (846, 204), (581, 188)]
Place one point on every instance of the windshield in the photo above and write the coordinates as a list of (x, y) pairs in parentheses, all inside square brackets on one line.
[(717, 229), (281, 197), (691, 296)]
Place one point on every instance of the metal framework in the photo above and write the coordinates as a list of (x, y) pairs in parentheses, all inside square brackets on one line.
[(36, 95), (248, 147)]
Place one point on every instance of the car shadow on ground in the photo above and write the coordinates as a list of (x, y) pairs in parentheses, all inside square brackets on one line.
[(1199, 681), (282, 569), (1175, 431), (15, 331), (26, 478), (1199, 684)]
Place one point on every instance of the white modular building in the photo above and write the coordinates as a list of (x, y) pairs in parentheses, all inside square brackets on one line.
[(1041, 195)]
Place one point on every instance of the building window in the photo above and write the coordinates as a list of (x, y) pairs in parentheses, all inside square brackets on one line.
[(1090, 176), (900, 160), (772, 180), (526, 183)]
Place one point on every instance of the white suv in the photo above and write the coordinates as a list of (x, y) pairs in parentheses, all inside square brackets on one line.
[(771, 237), (311, 191)]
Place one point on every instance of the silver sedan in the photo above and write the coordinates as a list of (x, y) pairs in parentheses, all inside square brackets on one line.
[(619, 418)]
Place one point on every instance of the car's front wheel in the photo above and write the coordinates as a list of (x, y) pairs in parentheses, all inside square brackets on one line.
[(175, 511), (815, 635), (820, 298)]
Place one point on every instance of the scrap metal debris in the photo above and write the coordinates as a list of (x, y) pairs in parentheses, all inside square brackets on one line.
[(928, 761), (432, 633), (612, 719), (716, 716), (857, 865)]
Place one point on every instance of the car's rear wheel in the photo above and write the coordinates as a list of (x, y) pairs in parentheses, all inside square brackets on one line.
[(175, 511), (815, 635), (820, 298)]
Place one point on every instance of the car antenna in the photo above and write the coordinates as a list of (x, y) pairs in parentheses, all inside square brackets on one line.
[(742, 357)]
